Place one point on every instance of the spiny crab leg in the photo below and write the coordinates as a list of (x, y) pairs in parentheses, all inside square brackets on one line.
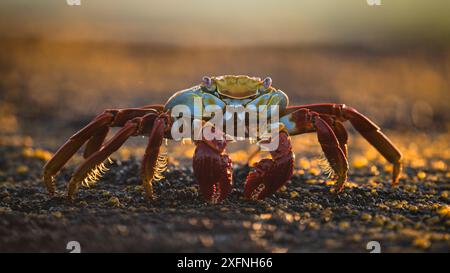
[(94, 133), (153, 163), (305, 121), (82, 172), (121, 117), (74, 143), (369, 130), (136, 126), (96, 141), (332, 151), (340, 132)]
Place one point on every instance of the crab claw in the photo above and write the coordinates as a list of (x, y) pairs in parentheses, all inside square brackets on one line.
[(213, 169), (269, 175)]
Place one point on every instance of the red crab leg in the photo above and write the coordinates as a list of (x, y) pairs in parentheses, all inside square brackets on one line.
[(98, 157), (157, 107), (332, 150), (213, 169), (342, 136), (306, 121), (74, 143), (93, 132), (95, 142), (131, 127), (269, 175), (340, 132), (369, 130), (150, 161)]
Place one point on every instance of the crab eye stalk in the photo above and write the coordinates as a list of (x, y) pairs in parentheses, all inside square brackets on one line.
[(267, 82), (207, 82)]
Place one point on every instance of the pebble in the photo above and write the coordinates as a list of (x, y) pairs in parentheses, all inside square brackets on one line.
[(114, 201)]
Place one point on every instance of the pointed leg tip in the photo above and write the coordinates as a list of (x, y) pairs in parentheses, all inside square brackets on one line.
[(49, 182), (396, 173), (51, 191), (150, 197), (394, 181), (72, 188), (148, 191), (340, 183)]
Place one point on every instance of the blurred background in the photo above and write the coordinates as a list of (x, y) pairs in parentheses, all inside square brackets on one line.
[(61, 64)]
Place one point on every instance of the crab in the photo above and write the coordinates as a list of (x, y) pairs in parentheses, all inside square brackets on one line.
[(211, 164)]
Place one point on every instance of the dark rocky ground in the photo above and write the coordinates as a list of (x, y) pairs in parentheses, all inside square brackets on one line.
[(113, 215)]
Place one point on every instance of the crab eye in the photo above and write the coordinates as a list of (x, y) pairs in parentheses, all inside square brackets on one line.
[(267, 82), (207, 81)]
